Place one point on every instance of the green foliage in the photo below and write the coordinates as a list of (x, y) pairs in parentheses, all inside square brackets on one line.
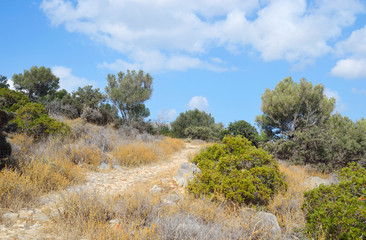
[(3, 82), (237, 171), (36, 82), (197, 125), (298, 123), (164, 130), (329, 147), (244, 129), (87, 97), (199, 132), (5, 147), (293, 107), (128, 92), (10, 100), (33, 120), (338, 211)]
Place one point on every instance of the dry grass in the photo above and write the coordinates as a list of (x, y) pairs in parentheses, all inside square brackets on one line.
[(139, 214), (21, 186), (139, 152), (287, 206), (55, 163)]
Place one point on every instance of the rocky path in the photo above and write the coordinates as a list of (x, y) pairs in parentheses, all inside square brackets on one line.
[(29, 223)]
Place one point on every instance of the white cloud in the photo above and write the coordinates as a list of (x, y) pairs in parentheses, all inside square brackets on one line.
[(181, 32), (359, 91), (154, 61), (355, 65), (198, 102), (350, 68), (67, 80), (340, 105), (11, 84), (167, 115)]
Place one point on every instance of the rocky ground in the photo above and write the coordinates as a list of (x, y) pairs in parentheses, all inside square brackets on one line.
[(30, 223)]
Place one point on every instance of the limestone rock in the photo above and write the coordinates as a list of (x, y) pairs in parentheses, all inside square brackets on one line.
[(156, 189), (267, 222), (173, 199), (10, 216), (314, 182), (40, 216), (263, 222), (186, 173)]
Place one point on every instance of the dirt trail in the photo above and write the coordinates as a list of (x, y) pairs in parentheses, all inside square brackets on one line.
[(29, 223)]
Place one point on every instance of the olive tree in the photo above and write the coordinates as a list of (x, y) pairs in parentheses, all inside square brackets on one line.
[(128, 92)]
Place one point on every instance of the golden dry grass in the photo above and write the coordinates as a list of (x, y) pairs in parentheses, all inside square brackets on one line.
[(139, 152), (139, 214), (287, 206), (20, 186), (55, 163)]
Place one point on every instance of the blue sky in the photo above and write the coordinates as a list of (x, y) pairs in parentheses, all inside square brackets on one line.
[(218, 56)]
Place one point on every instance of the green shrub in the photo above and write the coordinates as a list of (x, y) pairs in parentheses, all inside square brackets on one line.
[(33, 120), (338, 211), (199, 132), (244, 129), (196, 124), (237, 171), (10, 100), (5, 147)]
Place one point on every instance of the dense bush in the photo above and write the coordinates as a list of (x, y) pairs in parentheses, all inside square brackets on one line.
[(10, 100), (199, 132), (33, 120), (196, 124), (244, 129), (338, 211), (237, 171), (5, 147), (315, 146), (91, 115)]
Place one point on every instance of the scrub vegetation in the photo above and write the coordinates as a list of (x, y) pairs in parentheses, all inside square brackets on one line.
[(51, 139)]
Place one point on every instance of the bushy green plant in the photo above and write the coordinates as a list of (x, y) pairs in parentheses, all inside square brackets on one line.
[(338, 211), (196, 124), (244, 129), (33, 120), (10, 100), (5, 147), (199, 132), (237, 171)]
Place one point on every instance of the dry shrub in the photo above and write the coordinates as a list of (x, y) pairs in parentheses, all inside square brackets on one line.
[(134, 154), (21, 145), (287, 206), (139, 152), (20, 187), (15, 189), (170, 145), (139, 214), (84, 215), (85, 154)]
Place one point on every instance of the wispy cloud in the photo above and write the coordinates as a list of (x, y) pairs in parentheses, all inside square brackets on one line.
[(69, 81), (359, 91), (340, 105), (167, 115)]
